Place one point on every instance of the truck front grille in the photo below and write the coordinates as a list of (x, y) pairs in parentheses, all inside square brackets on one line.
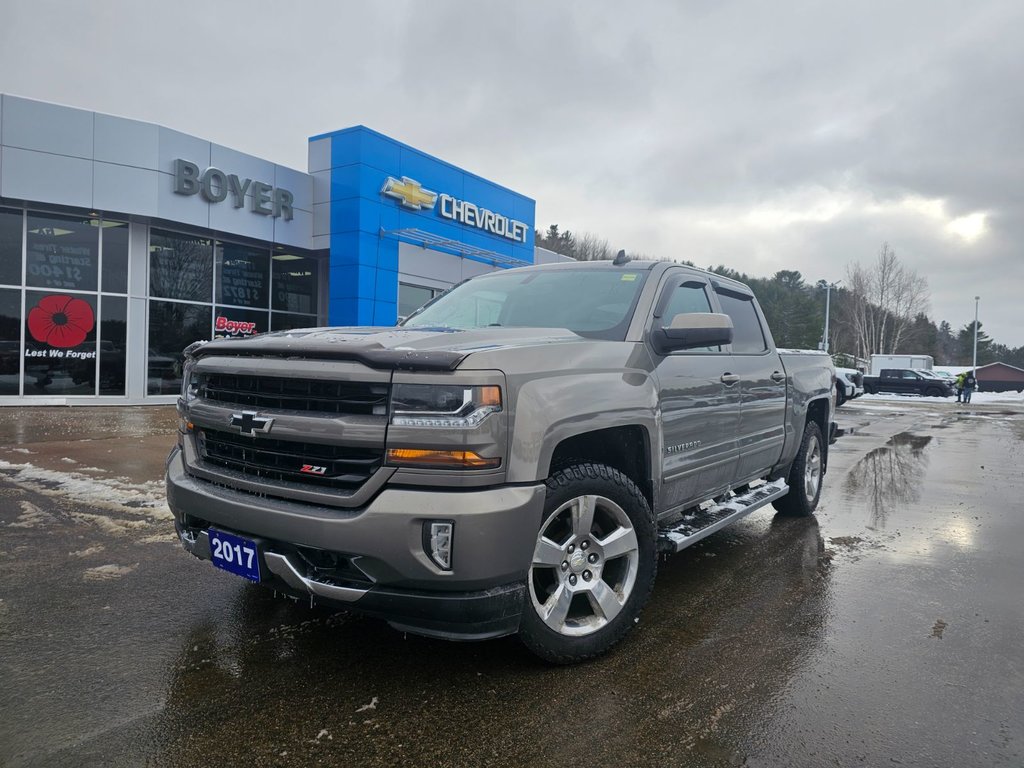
[(323, 466), (276, 393)]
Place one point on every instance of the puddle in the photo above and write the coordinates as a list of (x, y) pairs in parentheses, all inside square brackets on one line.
[(890, 476)]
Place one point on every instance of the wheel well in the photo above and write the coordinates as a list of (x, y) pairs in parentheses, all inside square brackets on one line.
[(623, 448), (817, 411)]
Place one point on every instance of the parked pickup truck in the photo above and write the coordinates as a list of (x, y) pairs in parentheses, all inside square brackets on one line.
[(512, 458), (849, 385), (906, 381)]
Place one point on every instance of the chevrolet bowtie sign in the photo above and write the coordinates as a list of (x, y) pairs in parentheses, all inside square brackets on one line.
[(410, 194)]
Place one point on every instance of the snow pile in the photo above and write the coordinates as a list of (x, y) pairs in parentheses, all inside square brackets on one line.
[(976, 397), (117, 493), (108, 572)]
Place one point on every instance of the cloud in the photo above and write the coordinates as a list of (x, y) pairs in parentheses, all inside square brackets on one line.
[(763, 136)]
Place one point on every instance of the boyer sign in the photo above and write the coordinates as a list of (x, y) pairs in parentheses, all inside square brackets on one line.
[(216, 186)]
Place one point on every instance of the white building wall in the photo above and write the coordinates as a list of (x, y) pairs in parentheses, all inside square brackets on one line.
[(56, 155)]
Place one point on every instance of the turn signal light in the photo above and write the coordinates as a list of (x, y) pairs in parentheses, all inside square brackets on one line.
[(490, 396), (419, 457)]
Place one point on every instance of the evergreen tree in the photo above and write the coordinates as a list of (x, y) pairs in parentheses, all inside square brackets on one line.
[(945, 344), (921, 338), (965, 345)]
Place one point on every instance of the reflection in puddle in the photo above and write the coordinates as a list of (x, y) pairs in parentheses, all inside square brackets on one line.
[(890, 476)]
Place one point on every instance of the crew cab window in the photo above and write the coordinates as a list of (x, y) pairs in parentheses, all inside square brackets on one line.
[(909, 375), (687, 298), (747, 335)]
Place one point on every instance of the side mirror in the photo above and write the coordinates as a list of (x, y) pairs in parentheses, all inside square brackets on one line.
[(692, 330)]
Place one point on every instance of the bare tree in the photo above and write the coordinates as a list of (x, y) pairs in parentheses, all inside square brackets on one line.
[(883, 302), (591, 247)]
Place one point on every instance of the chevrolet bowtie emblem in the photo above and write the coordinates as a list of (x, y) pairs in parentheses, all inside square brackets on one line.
[(409, 193), (249, 423)]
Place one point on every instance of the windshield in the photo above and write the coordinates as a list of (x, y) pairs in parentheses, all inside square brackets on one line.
[(597, 302)]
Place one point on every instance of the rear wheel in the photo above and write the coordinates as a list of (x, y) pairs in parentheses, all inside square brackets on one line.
[(805, 476), (593, 564), (840, 394)]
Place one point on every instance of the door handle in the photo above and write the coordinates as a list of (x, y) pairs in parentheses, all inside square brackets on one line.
[(777, 377), (729, 379)]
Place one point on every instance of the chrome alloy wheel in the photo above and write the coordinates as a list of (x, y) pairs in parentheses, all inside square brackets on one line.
[(812, 470), (584, 565)]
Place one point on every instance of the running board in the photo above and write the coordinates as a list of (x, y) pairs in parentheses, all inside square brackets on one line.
[(696, 525)]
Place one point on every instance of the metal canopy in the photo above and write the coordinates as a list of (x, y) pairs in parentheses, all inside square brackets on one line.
[(429, 240)]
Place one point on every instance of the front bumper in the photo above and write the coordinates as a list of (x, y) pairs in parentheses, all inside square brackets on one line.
[(481, 596)]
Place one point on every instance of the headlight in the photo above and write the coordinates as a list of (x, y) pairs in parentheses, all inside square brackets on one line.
[(189, 381), (442, 405), (851, 377)]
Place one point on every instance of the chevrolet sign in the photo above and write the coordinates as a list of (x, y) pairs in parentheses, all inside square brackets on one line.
[(410, 194), (481, 218)]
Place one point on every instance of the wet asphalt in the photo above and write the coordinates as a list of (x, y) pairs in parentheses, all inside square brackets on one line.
[(885, 630)]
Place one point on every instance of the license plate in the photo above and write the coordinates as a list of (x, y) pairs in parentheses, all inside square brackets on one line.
[(235, 554)]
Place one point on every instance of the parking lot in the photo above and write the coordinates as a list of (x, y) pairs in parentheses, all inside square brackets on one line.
[(884, 630)]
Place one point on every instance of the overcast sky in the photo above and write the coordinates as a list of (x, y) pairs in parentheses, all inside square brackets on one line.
[(762, 136)]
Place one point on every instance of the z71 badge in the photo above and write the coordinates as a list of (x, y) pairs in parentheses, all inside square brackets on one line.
[(312, 469)]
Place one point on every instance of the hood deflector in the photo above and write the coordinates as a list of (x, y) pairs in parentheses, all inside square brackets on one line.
[(372, 355)]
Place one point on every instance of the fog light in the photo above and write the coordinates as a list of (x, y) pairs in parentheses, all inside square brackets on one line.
[(437, 542)]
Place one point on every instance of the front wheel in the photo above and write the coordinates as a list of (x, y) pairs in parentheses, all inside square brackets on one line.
[(593, 564), (840, 395), (805, 476)]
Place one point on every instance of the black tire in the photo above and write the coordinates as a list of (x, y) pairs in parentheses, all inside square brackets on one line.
[(933, 392), (619, 507), (800, 501), (840, 394)]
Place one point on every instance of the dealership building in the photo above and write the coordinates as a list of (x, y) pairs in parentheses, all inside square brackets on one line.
[(121, 242)]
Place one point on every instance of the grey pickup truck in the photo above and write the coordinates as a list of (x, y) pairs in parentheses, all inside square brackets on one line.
[(512, 458)]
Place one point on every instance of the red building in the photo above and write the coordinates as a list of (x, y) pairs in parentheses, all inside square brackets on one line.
[(1000, 377)]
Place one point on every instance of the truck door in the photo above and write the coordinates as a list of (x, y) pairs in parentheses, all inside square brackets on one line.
[(761, 382), (910, 383), (700, 411)]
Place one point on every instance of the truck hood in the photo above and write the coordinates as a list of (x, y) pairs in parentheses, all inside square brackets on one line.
[(423, 349)]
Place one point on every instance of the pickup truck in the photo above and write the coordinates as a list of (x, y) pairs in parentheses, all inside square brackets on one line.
[(907, 381), (849, 385), (512, 458)]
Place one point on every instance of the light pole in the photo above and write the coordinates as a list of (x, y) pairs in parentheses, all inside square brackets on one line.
[(828, 300), (974, 364)]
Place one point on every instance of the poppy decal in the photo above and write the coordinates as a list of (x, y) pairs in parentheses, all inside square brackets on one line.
[(61, 321)]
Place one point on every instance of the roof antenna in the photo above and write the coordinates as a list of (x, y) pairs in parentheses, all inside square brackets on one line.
[(620, 258)]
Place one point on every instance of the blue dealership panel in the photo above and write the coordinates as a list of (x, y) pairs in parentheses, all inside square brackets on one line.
[(366, 226)]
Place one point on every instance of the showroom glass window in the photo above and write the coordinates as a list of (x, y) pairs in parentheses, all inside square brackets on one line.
[(180, 266), (412, 297), (243, 275), (202, 288), (54, 328), (295, 283), (11, 226), (62, 252), (10, 341)]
